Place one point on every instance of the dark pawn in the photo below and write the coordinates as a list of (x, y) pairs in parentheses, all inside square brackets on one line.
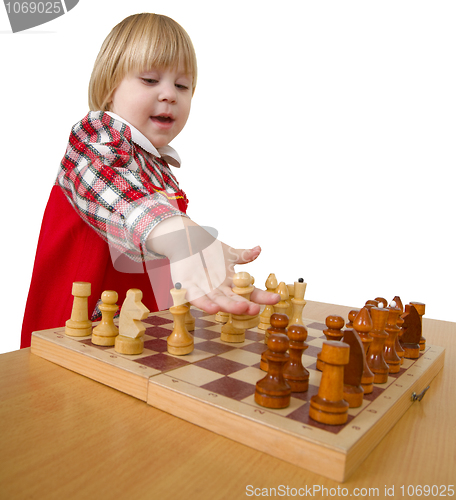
[(273, 390), (294, 372)]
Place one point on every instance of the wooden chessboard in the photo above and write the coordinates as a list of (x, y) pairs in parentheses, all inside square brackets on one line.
[(214, 387)]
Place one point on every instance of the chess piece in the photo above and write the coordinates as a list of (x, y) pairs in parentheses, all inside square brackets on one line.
[(328, 406), (79, 324), (271, 286), (333, 332), (229, 333), (293, 371), (362, 323), (411, 332), (106, 332), (189, 319), (180, 342), (273, 391), (375, 358), (400, 322), (290, 289), (382, 301), (280, 308), (243, 286), (421, 309), (131, 329), (234, 330), (222, 317), (298, 302), (353, 370), (391, 358), (279, 323), (351, 316)]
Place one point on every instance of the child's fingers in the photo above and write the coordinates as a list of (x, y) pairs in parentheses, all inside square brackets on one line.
[(263, 297), (247, 255)]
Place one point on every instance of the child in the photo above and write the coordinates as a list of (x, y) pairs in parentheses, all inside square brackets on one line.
[(116, 216)]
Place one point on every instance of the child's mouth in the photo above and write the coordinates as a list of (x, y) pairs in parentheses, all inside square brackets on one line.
[(162, 121)]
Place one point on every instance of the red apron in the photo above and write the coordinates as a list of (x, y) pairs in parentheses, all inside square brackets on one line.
[(70, 250)]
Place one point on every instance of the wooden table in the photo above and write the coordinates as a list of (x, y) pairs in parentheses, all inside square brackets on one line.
[(64, 436)]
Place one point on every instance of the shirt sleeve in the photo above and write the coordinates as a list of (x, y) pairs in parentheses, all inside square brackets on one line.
[(120, 192)]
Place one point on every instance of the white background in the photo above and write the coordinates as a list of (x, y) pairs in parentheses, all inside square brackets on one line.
[(323, 131)]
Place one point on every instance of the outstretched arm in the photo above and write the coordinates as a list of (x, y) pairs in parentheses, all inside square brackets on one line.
[(205, 266)]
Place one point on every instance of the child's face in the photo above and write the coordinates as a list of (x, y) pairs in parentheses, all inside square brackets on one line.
[(156, 102)]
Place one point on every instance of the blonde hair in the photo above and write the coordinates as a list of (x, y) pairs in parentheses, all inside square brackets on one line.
[(138, 43)]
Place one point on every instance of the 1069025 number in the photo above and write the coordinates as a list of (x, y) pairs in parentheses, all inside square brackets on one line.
[(33, 7), (427, 490)]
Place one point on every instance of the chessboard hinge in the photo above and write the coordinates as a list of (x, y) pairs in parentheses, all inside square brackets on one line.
[(420, 396)]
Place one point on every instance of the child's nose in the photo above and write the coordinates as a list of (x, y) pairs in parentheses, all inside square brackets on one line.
[(168, 93)]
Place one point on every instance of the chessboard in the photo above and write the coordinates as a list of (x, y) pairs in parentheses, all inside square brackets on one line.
[(214, 387)]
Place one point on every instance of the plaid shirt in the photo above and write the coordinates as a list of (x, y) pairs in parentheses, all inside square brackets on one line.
[(121, 190)]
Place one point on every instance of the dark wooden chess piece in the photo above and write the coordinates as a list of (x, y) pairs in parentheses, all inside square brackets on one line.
[(411, 332), (363, 325), (279, 323), (333, 332), (400, 351), (421, 309), (353, 371), (273, 390), (375, 358), (391, 358), (293, 371), (328, 406)]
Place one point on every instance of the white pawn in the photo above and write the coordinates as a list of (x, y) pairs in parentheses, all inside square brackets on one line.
[(106, 332), (180, 342)]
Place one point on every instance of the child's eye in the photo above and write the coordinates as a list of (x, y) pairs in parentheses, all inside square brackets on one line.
[(149, 81), (181, 87)]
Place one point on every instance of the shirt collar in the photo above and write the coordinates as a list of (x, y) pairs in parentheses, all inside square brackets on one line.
[(168, 153)]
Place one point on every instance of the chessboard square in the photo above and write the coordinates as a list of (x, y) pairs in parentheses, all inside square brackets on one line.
[(255, 336), (198, 313), (236, 345), (312, 351), (203, 323), (157, 320), (214, 329), (214, 347), (407, 363), (294, 405), (158, 331), (194, 356), (256, 347), (231, 388), (205, 334), (242, 356), (314, 377), (316, 326), (250, 375), (308, 360), (196, 375), (386, 384), (162, 362), (220, 365), (317, 342), (356, 411), (157, 345)]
